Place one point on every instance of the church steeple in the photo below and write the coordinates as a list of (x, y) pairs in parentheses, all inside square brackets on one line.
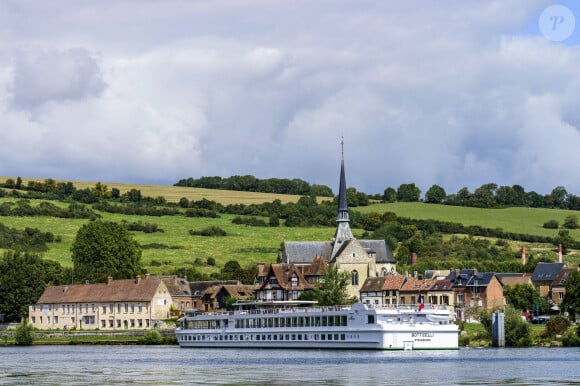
[(343, 232)]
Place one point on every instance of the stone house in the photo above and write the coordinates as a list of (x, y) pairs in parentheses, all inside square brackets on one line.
[(558, 286), (544, 275), (115, 305), (441, 292)]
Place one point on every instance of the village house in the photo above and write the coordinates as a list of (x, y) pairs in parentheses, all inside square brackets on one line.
[(198, 293), (441, 292), (216, 296), (281, 282), (115, 305), (544, 275), (360, 258), (475, 289), (412, 290), (558, 286)]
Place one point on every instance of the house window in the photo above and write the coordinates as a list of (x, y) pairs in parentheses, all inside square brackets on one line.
[(119, 308), (103, 323), (412, 299), (460, 298), (354, 277), (111, 323), (104, 309), (126, 307), (33, 319), (132, 307), (111, 309), (294, 281), (561, 295), (56, 320)]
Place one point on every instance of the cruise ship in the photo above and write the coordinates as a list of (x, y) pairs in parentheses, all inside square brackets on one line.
[(304, 325)]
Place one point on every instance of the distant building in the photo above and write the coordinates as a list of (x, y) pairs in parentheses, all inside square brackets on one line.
[(360, 258), (115, 305)]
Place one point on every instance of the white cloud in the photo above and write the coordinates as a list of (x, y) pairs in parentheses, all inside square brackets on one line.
[(448, 93)]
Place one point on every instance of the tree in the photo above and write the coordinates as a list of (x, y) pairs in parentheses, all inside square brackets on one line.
[(571, 222), (435, 195), (408, 193), (390, 195), (517, 331), (558, 196), (521, 296), (331, 289), (565, 239), (23, 278), (23, 334), (571, 302), (103, 249)]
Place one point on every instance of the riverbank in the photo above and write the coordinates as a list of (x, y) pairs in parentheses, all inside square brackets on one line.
[(57, 337)]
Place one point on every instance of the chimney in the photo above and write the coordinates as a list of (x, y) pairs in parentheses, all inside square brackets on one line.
[(559, 253), (147, 276), (109, 280), (413, 258), (138, 279), (523, 255), (261, 267)]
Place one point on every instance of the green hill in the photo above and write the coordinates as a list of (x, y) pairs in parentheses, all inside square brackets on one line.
[(176, 247)]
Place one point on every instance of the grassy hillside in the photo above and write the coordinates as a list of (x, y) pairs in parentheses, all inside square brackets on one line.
[(243, 243), (177, 248), (518, 220), (175, 193)]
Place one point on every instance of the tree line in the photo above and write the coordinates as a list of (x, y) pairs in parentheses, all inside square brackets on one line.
[(249, 183)]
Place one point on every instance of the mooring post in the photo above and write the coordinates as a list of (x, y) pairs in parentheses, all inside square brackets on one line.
[(497, 329)]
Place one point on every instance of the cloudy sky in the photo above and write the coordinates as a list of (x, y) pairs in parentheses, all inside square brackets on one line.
[(455, 93)]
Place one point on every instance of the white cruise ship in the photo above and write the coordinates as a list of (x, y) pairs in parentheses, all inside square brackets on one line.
[(291, 324)]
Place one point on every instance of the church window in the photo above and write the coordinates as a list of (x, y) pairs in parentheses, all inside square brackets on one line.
[(354, 278), (384, 272)]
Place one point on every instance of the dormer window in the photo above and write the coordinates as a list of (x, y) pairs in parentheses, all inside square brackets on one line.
[(294, 281)]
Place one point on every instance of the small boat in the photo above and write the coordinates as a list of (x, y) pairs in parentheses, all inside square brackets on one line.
[(305, 325)]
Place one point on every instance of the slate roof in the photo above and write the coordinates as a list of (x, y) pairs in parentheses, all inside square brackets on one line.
[(177, 286), (470, 278), (513, 278), (560, 280), (303, 252), (132, 290), (198, 288), (373, 284), (547, 271)]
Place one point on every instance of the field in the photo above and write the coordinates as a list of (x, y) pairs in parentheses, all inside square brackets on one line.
[(175, 193), (518, 220), (249, 245), (246, 244)]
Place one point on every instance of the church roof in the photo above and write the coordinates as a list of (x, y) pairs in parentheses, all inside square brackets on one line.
[(303, 252)]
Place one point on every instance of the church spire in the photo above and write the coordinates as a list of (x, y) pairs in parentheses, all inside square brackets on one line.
[(343, 232)]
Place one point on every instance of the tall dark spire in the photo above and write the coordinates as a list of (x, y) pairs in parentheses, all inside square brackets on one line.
[(343, 232)]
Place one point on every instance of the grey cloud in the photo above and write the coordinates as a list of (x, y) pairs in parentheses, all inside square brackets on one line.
[(46, 75)]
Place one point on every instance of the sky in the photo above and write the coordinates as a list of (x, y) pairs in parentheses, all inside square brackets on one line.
[(454, 93)]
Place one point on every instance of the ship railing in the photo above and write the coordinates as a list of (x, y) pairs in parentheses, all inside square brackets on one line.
[(291, 310)]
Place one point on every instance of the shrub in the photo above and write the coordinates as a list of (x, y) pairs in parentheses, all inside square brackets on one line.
[(551, 224), (23, 335), (209, 231), (557, 325), (210, 261), (152, 337)]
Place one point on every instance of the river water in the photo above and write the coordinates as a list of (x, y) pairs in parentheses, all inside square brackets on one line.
[(171, 365)]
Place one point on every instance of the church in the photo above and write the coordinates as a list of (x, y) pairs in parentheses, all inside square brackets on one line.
[(361, 258)]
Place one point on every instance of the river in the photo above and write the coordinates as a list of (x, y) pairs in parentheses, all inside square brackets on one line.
[(171, 365)]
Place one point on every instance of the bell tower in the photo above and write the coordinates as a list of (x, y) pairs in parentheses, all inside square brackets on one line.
[(343, 232)]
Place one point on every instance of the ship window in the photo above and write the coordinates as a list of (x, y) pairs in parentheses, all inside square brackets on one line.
[(322, 336), (342, 337), (335, 336), (371, 319)]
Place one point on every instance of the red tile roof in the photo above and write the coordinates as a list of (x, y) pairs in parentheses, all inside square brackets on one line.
[(114, 291)]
